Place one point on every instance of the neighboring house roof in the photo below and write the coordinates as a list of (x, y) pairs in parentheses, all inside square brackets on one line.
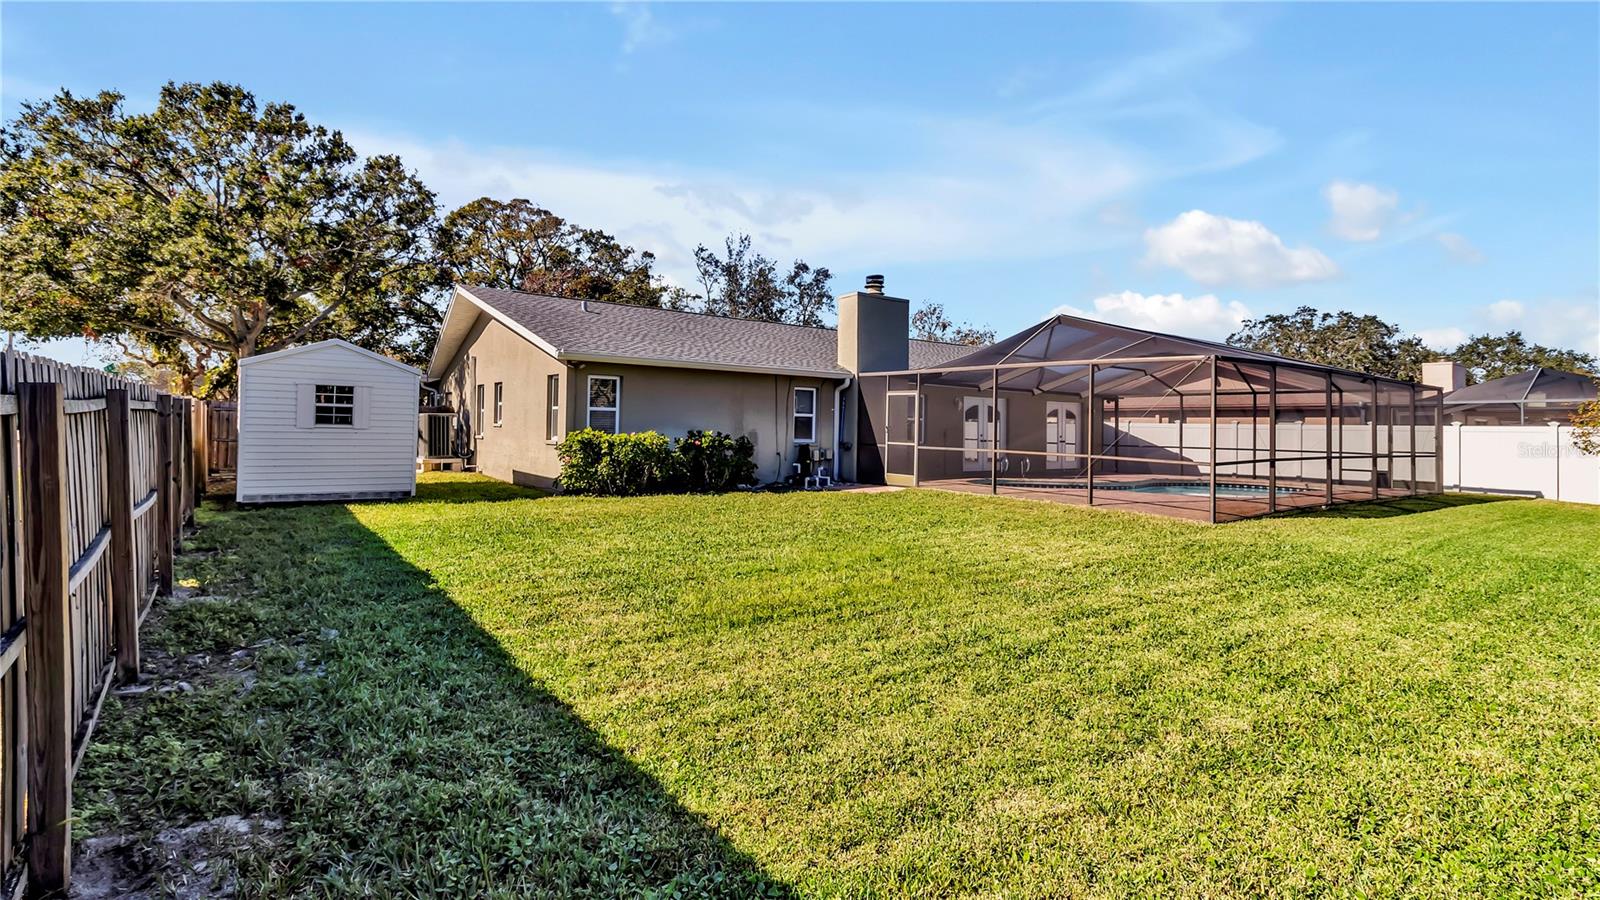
[(594, 331), (331, 342), (1539, 385)]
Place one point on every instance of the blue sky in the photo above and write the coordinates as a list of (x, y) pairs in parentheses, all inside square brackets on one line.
[(1174, 166)]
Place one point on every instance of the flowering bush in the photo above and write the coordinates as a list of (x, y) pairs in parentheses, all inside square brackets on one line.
[(713, 461), (623, 465)]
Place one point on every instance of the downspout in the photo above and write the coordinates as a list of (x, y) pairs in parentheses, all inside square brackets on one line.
[(838, 425)]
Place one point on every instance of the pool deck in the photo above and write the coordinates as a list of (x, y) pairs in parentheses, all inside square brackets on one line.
[(1198, 509)]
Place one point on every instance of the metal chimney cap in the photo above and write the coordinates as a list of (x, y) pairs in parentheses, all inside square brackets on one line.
[(874, 284)]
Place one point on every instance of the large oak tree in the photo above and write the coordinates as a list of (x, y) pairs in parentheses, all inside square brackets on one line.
[(1343, 339), (1491, 356), (518, 245), (210, 226)]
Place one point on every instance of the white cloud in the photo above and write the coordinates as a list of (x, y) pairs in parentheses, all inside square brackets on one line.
[(1571, 323), (1204, 316), (972, 195), (1459, 248), (1505, 312), (1442, 338), (1360, 211), (639, 26), (1218, 250)]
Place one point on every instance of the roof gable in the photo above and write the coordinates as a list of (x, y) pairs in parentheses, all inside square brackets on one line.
[(331, 343)]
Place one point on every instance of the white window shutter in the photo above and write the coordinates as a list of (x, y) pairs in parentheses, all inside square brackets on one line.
[(305, 400), (363, 406)]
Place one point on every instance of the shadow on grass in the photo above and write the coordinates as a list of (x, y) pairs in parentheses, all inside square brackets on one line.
[(397, 742), (1404, 506)]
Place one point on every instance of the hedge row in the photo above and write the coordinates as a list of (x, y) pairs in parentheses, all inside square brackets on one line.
[(623, 465)]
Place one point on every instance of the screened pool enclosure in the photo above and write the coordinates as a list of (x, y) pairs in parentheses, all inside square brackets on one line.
[(1085, 412)]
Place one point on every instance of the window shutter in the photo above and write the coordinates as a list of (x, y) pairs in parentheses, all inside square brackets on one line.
[(363, 406), (305, 405)]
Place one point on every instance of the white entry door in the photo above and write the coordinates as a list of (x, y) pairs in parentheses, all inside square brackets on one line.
[(1060, 433), (979, 426)]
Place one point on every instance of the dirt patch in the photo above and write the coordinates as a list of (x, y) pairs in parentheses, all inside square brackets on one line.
[(184, 860), (188, 862)]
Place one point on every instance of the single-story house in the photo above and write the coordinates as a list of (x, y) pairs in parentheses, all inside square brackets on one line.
[(326, 421), (520, 371)]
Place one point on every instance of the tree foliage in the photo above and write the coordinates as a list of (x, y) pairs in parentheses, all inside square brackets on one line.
[(1586, 427), (518, 245), (1491, 356), (929, 323), (745, 284), (211, 225), (1343, 339)]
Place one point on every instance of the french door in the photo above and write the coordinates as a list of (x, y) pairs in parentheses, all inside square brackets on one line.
[(981, 425), (1060, 434)]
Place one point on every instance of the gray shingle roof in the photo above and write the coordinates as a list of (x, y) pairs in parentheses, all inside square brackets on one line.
[(614, 331), (1539, 384)]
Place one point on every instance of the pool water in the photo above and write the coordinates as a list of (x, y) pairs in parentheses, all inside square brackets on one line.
[(1189, 489), (1168, 488)]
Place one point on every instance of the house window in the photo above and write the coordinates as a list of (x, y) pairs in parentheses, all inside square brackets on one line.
[(499, 402), (477, 421), (605, 401), (552, 421), (335, 404), (805, 415)]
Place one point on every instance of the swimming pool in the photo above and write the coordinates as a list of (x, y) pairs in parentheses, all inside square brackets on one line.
[(1167, 487)]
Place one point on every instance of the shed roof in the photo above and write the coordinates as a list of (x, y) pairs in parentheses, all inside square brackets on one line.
[(319, 345), (596, 331), (1537, 385)]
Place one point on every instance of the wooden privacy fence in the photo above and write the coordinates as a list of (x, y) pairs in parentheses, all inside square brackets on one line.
[(99, 477), (221, 426)]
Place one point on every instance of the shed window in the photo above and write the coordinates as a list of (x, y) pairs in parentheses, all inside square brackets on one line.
[(335, 404), (499, 402), (552, 421), (605, 401), (805, 415)]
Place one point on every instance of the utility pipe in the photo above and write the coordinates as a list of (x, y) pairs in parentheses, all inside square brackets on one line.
[(838, 425)]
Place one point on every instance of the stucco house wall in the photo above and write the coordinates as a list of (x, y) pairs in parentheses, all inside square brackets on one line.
[(517, 449), (666, 399)]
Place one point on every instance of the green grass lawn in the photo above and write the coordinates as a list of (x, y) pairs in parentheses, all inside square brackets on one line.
[(880, 695)]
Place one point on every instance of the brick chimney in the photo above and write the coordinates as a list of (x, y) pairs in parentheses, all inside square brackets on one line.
[(873, 329), (1446, 374)]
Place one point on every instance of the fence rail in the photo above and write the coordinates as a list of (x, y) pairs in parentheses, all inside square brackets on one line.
[(100, 474)]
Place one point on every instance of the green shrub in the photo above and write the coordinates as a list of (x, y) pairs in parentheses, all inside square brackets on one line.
[(617, 465), (713, 461), (623, 465)]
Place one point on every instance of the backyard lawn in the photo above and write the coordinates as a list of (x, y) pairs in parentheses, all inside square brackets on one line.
[(485, 691)]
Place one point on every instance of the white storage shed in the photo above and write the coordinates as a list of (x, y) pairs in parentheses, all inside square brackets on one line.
[(326, 421)]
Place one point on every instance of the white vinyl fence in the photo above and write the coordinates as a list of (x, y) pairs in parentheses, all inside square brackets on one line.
[(1300, 448), (1526, 460)]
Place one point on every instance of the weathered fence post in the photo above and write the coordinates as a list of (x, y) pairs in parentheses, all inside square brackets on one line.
[(180, 462), (119, 485), (200, 447), (42, 413), (165, 518)]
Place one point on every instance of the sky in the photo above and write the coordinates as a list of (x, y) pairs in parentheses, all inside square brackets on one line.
[(1179, 167)]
